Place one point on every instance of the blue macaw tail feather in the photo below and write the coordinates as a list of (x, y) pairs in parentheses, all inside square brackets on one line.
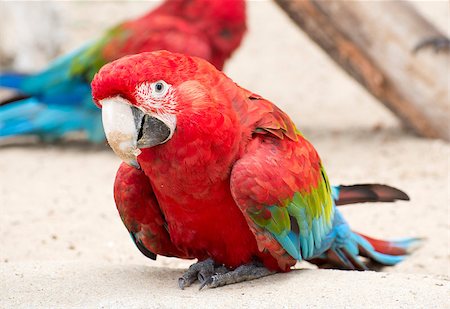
[(59, 71), (30, 116), (12, 80), (70, 93), (15, 117), (386, 252), (56, 76), (52, 102), (345, 247), (365, 248)]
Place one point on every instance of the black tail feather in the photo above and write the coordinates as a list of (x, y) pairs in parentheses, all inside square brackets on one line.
[(363, 193)]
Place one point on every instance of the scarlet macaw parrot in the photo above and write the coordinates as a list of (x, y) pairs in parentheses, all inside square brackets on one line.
[(58, 99), (215, 172)]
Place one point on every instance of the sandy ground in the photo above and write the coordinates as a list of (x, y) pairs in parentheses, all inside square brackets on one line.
[(62, 243), (155, 288)]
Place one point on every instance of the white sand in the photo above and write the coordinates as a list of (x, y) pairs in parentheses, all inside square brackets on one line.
[(63, 244), (138, 286)]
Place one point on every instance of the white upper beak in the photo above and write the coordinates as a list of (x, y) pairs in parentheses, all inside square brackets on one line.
[(120, 128)]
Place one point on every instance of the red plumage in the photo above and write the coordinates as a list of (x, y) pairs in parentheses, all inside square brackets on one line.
[(140, 212), (234, 180), (190, 174), (211, 30)]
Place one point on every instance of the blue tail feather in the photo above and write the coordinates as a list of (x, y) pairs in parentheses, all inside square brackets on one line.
[(59, 103), (408, 243), (73, 92), (385, 259), (35, 84), (30, 116), (12, 80), (343, 248), (59, 71), (19, 109)]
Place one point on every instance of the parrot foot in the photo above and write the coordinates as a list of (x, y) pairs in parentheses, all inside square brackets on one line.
[(245, 272), (200, 271), (439, 43)]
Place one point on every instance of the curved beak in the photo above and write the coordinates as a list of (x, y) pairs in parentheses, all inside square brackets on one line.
[(128, 129)]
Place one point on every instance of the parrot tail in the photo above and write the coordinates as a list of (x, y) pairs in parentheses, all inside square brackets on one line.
[(397, 247), (12, 80), (379, 252), (29, 116), (385, 252), (347, 247), (363, 193)]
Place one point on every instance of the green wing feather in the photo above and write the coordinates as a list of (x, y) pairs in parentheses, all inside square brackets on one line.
[(300, 223), (281, 186), (87, 63)]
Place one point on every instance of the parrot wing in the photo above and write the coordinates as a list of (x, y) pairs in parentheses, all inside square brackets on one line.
[(141, 214), (281, 187), (77, 69), (71, 70)]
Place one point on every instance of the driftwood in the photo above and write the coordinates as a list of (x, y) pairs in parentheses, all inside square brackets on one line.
[(374, 41)]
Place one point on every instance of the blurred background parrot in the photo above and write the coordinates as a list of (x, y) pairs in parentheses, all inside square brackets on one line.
[(57, 100), (215, 172)]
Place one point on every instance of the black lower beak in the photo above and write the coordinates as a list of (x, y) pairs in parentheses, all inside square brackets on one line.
[(151, 130)]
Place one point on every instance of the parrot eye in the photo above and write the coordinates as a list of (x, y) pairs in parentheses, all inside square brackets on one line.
[(160, 88), (156, 95)]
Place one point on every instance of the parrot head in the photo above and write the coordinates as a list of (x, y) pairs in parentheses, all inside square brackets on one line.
[(144, 97), (222, 21), (225, 23)]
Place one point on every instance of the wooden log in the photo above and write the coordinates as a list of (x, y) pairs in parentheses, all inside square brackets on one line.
[(374, 41)]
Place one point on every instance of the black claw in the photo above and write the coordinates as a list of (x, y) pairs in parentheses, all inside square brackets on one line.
[(204, 276), (199, 271), (181, 283), (201, 278), (207, 282)]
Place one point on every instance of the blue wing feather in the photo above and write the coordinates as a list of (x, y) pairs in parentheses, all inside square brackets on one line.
[(60, 103)]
